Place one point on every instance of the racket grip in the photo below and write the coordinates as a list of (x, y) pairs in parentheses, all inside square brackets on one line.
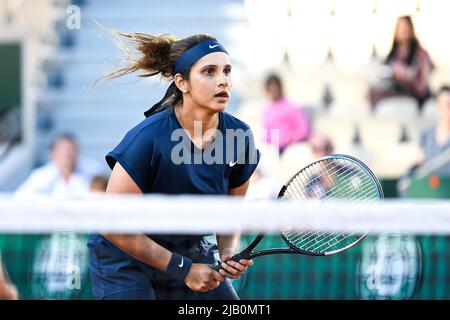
[(236, 258)]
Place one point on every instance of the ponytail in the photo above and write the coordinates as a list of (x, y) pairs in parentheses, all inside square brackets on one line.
[(171, 98), (157, 55)]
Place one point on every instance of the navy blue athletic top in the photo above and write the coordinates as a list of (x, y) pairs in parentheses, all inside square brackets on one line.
[(160, 158)]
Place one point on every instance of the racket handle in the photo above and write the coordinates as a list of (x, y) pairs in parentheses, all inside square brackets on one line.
[(236, 258)]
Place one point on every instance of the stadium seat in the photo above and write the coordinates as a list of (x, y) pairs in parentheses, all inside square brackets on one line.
[(429, 110), (379, 135), (394, 161), (356, 110), (401, 109), (308, 28), (294, 158), (348, 14), (340, 130)]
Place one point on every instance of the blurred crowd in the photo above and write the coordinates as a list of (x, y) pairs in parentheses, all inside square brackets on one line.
[(404, 72)]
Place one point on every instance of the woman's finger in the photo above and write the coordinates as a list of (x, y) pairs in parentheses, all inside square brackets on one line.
[(238, 266), (246, 262), (225, 266), (228, 275)]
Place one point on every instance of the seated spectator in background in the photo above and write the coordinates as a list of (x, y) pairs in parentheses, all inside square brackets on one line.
[(407, 67), (98, 184), (321, 145), (7, 290), (60, 177), (436, 139), (284, 115)]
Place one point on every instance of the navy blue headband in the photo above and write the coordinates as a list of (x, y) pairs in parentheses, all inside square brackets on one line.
[(193, 54)]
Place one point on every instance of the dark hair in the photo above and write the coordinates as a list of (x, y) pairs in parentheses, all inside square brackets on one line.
[(158, 55), (63, 136), (442, 89), (414, 43), (274, 78)]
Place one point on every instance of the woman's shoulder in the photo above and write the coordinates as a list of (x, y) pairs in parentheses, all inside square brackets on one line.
[(149, 128), (423, 54)]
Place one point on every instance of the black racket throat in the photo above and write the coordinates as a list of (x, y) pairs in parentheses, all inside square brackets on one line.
[(248, 253)]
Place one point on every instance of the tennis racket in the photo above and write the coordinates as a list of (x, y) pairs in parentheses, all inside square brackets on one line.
[(329, 178)]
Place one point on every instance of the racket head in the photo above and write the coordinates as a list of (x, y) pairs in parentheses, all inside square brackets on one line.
[(337, 176)]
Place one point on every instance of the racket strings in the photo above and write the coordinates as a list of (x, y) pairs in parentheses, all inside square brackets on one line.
[(365, 183), (327, 238), (325, 170), (300, 184), (338, 176), (320, 239), (334, 179), (366, 189)]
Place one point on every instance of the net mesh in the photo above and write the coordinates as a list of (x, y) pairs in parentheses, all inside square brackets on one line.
[(400, 263)]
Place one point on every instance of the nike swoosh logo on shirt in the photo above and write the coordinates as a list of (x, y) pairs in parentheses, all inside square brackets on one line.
[(212, 47), (182, 262), (231, 164)]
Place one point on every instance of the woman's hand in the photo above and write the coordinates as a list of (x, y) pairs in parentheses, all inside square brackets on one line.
[(402, 72), (202, 278), (232, 269)]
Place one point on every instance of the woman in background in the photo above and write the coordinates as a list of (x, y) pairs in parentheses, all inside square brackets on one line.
[(408, 67), (283, 115)]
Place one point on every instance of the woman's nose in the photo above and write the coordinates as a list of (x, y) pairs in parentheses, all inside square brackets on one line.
[(224, 80)]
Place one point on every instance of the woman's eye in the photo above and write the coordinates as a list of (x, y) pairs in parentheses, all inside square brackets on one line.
[(209, 71), (227, 72)]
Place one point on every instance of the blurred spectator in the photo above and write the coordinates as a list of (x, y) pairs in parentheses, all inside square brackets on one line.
[(98, 184), (435, 140), (7, 290), (61, 177), (262, 186), (406, 69), (321, 145), (284, 115), (64, 177)]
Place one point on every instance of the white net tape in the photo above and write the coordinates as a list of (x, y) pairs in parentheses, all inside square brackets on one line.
[(207, 214)]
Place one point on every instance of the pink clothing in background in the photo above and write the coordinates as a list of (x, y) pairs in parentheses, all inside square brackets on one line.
[(290, 119)]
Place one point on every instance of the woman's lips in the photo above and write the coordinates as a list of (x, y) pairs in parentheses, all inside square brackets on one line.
[(223, 96)]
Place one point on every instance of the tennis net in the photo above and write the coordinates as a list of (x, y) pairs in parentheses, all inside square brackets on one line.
[(405, 255)]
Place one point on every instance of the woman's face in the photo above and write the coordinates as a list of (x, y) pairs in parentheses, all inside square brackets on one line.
[(210, 81), (273, 90), (403, 33), (443, 106)]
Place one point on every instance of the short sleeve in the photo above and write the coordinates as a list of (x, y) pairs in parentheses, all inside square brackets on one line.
[(135, 153), (246, 164)]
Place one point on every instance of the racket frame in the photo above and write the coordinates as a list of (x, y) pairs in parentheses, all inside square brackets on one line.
[(248, 252)]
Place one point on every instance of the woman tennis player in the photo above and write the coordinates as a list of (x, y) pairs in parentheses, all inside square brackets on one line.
[(161, 155)]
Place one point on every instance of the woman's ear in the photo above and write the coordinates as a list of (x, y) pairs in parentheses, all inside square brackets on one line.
[(180, 83)]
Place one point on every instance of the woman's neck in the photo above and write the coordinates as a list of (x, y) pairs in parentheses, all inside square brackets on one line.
[(197, 121), (190, 114)]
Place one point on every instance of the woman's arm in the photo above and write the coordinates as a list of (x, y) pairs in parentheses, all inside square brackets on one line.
[(228, 244), (139, 246), (199, 278)]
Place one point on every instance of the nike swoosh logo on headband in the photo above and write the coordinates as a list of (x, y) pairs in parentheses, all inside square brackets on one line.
[(212, 47)]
